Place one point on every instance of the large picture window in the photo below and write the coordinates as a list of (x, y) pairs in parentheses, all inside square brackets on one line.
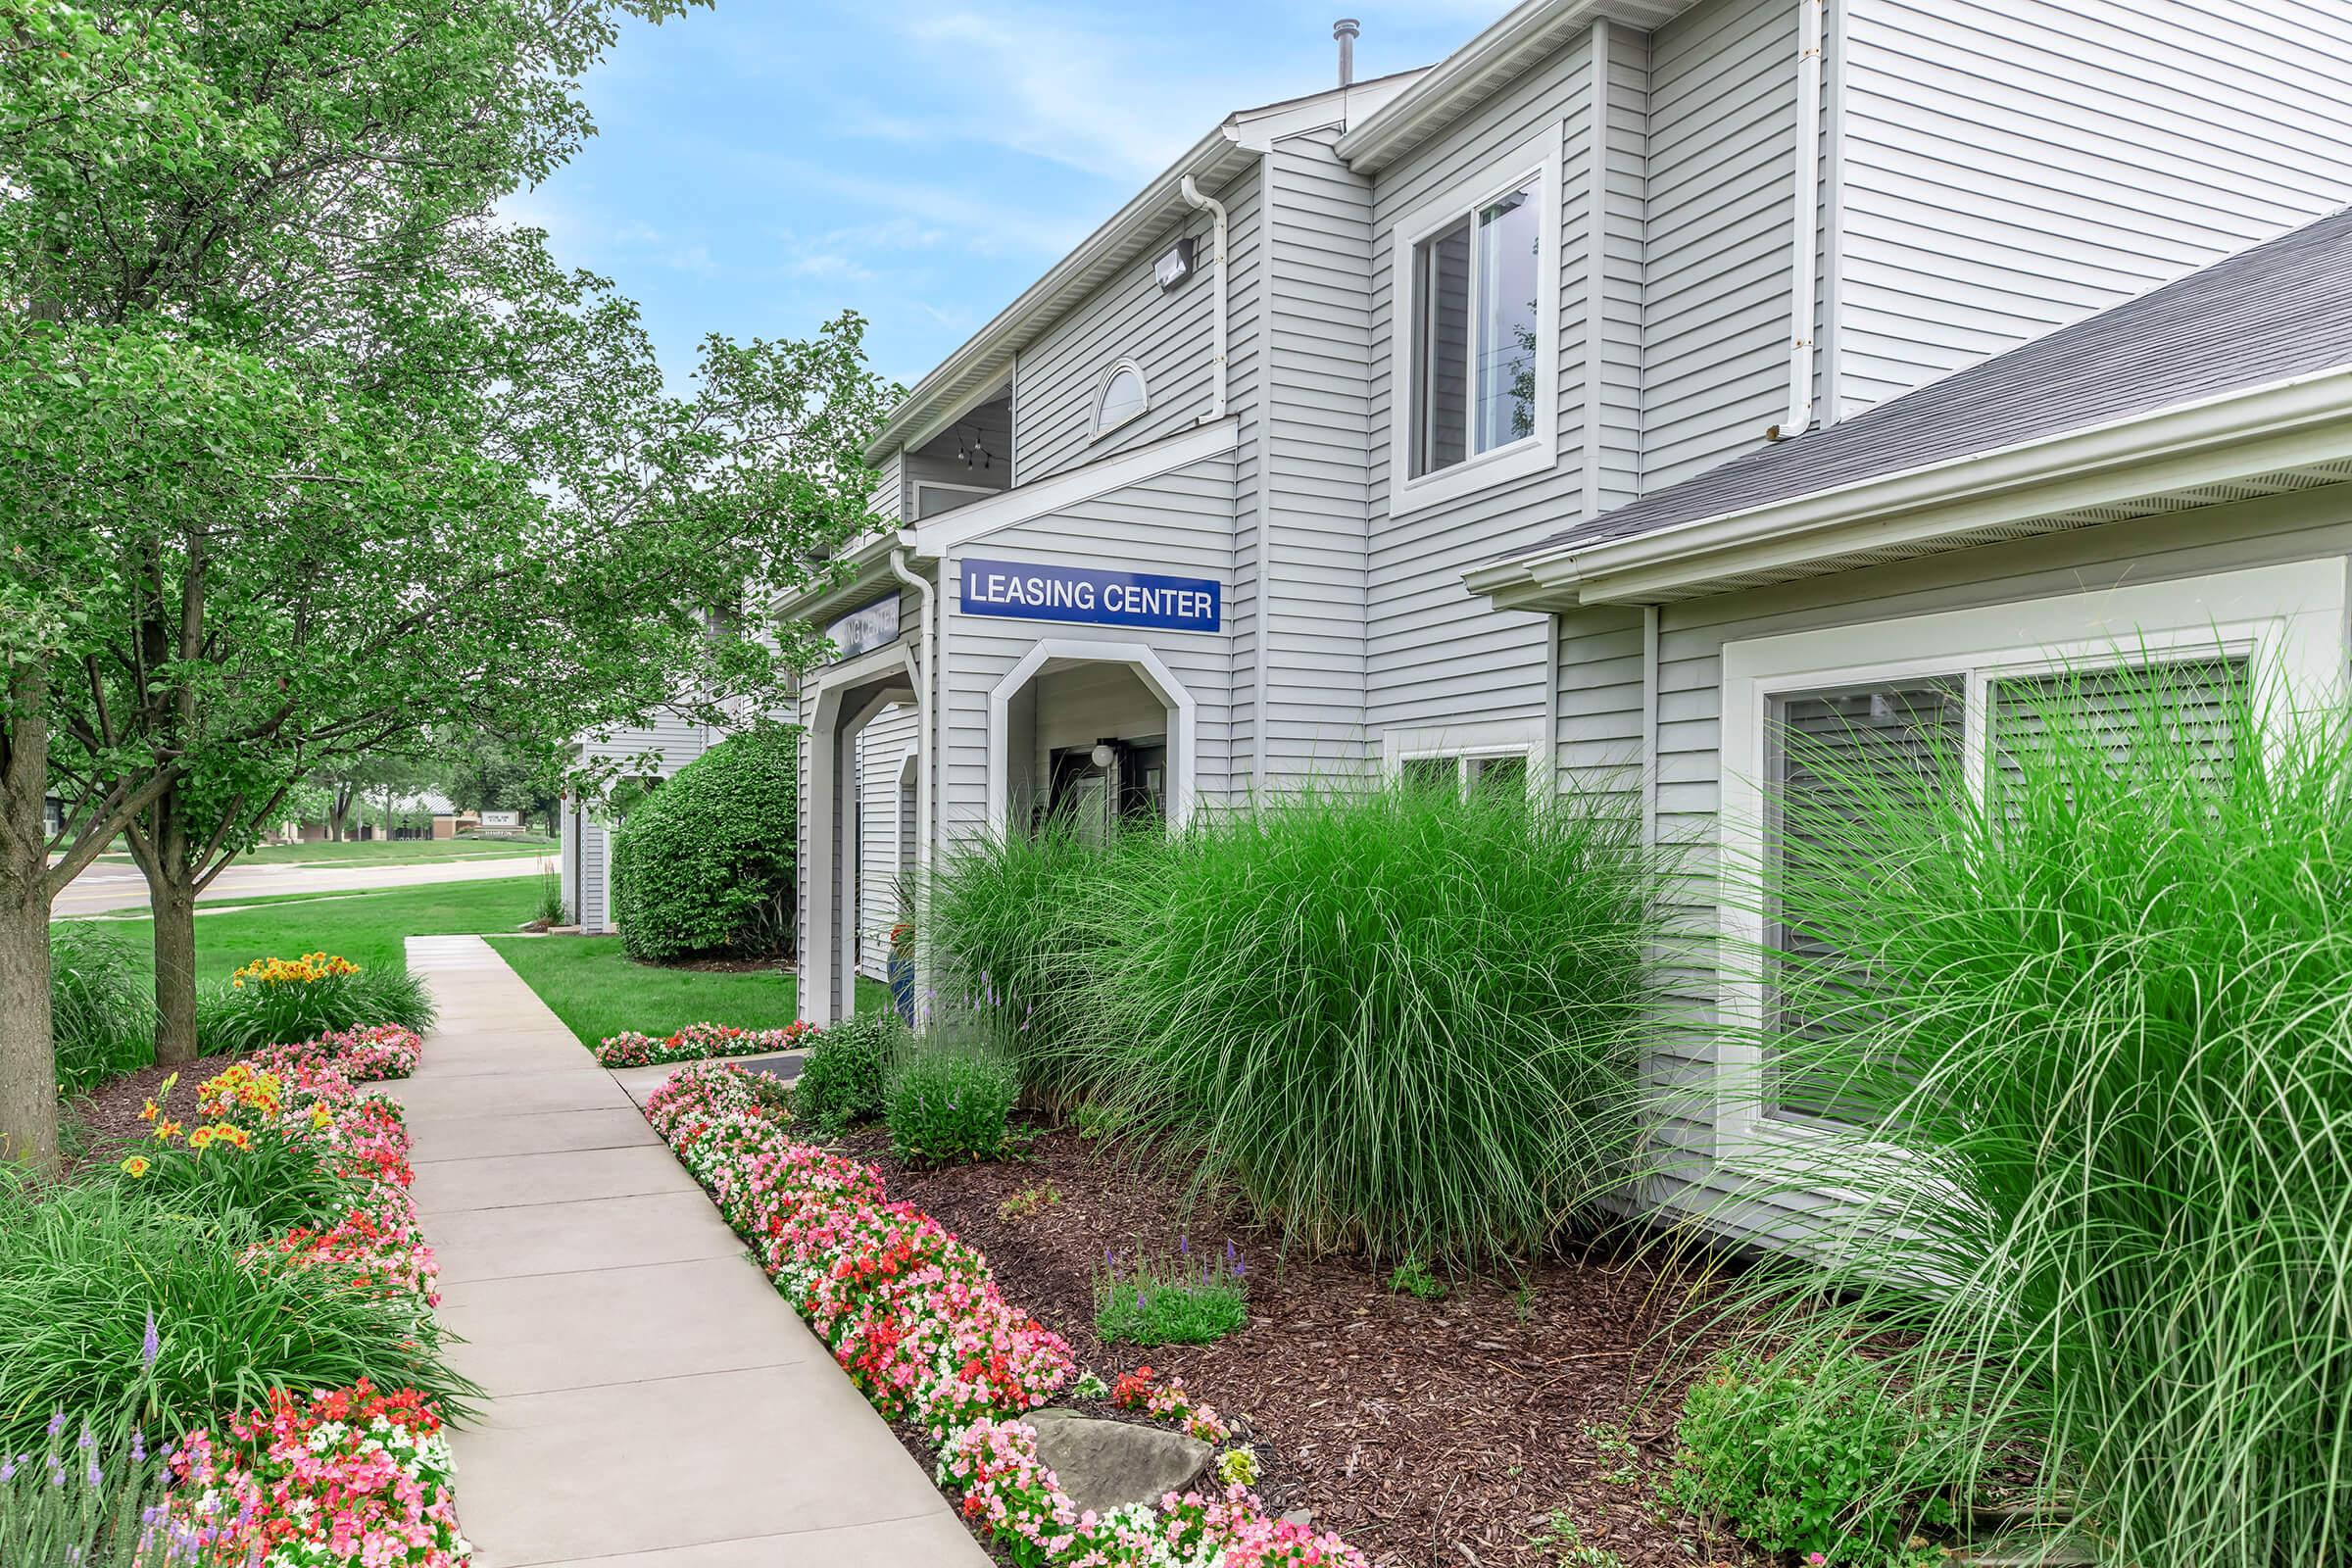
[(1477, 280), (1817, 723)]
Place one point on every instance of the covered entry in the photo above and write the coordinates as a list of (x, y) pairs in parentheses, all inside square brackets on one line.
[(1097, 735), (846, 698)]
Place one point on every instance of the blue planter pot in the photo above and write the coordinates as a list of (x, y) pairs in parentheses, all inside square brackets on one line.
[(901, 987)]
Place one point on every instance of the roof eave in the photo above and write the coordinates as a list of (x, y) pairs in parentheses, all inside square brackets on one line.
[(2305, 419), (1465, 78)]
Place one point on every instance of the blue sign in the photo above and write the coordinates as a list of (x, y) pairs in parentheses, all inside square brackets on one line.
[(1026, 591)]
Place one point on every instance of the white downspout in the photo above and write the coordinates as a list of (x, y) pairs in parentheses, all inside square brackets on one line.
[(1216, 211), (924, 708), (1807, 216)]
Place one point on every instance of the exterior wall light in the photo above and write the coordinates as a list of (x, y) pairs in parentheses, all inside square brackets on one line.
[(1176, 266)]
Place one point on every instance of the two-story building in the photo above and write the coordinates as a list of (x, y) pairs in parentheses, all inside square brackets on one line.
[(1642, 377)]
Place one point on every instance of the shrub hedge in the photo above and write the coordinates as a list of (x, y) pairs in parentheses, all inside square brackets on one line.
[(843, 1074), (705, 864)]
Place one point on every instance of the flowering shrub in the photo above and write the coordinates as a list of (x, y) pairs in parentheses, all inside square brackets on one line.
[(696, 1041), (308, 970), (913, 1315), (347, 1476), (279, 1002), (344, 1476)]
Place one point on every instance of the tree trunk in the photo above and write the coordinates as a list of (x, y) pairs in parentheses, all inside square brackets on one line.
[(27, 1054), (171, 900)]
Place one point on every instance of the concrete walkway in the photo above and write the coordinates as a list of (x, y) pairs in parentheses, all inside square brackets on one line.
[(653, 1400)]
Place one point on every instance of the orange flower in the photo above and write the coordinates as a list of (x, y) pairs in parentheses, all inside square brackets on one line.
[(148, 1115), (166, 1130), (136, 1166)]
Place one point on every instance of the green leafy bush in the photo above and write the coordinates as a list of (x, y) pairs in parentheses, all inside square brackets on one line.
[(82, 1267), (84, 1507), (101, 1004), (282, 1012), (842, 1076), (1184, 1299), (1815, 1452), (948, 1102), (705, 864), (2101, 1164), (1394, 1018)]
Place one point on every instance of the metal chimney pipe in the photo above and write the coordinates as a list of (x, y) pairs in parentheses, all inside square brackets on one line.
[(1347, 30)]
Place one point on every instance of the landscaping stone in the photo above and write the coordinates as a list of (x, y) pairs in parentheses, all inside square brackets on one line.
[(1108, 1464)]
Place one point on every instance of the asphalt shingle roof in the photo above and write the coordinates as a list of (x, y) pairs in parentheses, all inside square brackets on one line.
[(2278, 310)]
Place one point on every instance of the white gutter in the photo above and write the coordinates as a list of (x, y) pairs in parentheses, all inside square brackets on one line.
[(2235, 434), (1190, 189), (1807, 219), (925, 711)]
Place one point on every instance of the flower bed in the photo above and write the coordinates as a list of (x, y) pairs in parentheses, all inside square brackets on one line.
[(697, 1041), (341, 1476), (913, 1316)]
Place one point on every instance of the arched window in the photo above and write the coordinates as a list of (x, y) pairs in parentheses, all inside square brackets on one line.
[(1123, 397)]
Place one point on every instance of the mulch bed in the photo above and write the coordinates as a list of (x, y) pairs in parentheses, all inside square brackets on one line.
[(109, 1114), (1426, 1433)]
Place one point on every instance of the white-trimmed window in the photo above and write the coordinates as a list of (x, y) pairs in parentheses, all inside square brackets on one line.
[(1934, 703), (1122, 398), (932, 497), (1475, 344), (1502, 753)]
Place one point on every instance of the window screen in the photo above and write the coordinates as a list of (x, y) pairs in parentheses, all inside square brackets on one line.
[(2191, 701), (1828, 755)]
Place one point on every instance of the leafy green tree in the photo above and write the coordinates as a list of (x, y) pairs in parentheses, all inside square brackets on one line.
[(351, 462)]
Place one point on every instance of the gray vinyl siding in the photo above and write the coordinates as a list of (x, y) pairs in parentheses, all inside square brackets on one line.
[(1721, 187), (1598, 714), (1181, 524), (883, 747), (1317, 408), (1432, 654), (1690, 767), (2012, 166), (1168, 335)]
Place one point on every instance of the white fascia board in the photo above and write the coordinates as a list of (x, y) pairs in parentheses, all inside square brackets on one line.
[(867, 562), (1447, 89), (920, 412), (2232, 435), (935, 536)]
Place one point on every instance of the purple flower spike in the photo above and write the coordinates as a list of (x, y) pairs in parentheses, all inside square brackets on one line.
[(57, 1422), (1184, 1243), (97, 1477), (1139, 1301), (138, 1448), (152, 1345), (7, 1471)]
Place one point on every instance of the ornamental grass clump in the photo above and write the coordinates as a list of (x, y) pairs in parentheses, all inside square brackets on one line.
[(1018, 923), (101, 1004), (87, 1271), (1399, 1019), (279, 1002), (2084, 1047)]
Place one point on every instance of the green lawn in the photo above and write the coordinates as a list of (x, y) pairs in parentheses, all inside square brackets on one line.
[(365, 927), (397, 852), (597, 990)]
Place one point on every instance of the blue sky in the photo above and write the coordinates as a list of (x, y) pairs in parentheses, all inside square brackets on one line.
[(762, 166)]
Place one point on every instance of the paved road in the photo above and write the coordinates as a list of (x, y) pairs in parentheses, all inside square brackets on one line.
[(652, 1403), (113, 885)]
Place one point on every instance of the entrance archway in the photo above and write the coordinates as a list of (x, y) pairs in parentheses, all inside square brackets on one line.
[(1090, 729)]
